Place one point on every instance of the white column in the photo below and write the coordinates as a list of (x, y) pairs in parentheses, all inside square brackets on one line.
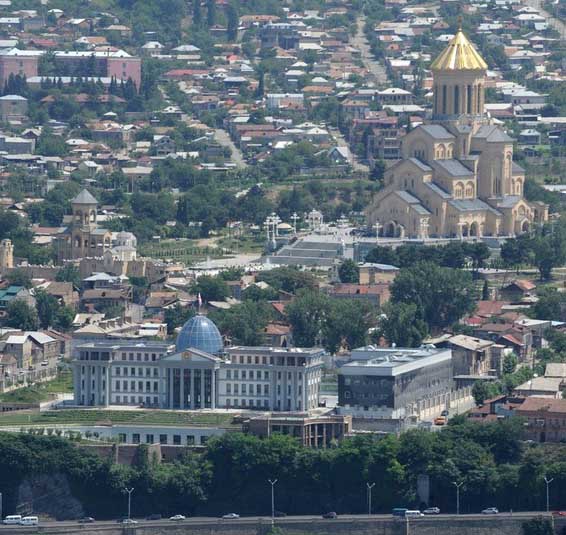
[(107, 392), (170, 388), (202, 397), (182, 389), (193, 406), (213, 374)]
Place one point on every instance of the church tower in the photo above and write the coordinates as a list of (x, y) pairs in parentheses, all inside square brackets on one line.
[(6, 255), (459, 79)]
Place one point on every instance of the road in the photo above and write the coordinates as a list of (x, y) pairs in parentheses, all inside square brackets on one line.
[(557, 24), (290, 520), (360, 42), (224, 139), (341, 142)]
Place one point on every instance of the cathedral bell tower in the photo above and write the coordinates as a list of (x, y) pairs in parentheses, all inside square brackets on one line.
[(459, 79)]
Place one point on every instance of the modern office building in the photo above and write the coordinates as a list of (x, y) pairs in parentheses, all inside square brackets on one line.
[(395, 383), (196, 373)]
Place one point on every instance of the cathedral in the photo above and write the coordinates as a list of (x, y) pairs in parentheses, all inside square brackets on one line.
[(457, 177)]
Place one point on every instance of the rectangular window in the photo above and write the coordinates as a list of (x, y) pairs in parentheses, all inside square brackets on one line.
[(149, 439), (236, 389), (132, 372), (228, 388), (190, 440), (118, 370), (136, 438), (121, 437), (258, 389), (236, 376), (228, 374), (266, 376), (177, 440), (244, 389), (265, 390), (163, 439), (243, 374)]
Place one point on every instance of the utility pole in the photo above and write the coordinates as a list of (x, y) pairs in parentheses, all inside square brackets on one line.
[(272, 483), (548, 482), (457, 485), (1, 507), (129, 492), (369, 486)]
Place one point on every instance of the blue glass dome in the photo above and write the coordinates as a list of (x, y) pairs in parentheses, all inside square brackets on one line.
[(200, 333)]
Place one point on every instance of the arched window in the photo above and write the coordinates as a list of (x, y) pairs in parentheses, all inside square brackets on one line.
[(469, 106), (457, 100), (458, 190), (519, 187), (444, 91), (469, 191)]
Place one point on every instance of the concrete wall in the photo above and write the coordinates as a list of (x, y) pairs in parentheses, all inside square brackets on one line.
[(477, 525)]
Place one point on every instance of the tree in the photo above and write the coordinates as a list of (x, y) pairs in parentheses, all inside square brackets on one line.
[(402, 324), (509, 363), (176, 316), (307, 314), (378, 170), (197, 13), (349, 272), (47, 308), (288, 279), (537, 526), (69, 273), (483, 390), (21, 316), (211, 288), (347, 324), (485, 291), (243, 324), (233, 22), (19, 277), (443, 295), (64, 318), (551, 305), (383, 255), (210, 13)]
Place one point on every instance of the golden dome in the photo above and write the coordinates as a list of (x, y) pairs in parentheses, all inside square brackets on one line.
[(459, 55)]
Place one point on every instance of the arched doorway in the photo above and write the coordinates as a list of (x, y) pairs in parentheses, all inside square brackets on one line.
[(525, 226), (465, 230), (474, 229), (390, 229)]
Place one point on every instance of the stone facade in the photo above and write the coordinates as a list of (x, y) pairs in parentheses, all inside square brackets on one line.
[(457, 177)]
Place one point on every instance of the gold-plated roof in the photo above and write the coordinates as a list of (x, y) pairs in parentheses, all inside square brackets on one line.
[(459, 55)]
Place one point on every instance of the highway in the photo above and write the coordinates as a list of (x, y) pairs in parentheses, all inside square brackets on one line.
[(289, 520)]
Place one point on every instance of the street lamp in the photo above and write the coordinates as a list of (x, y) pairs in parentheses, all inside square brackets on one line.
[(272, 483), (369, 486), (129, 492), (457, 485), (548, 482)]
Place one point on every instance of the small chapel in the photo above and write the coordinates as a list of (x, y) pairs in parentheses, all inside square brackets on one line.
[(457, 177)]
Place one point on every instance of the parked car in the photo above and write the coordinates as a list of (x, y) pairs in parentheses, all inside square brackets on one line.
[(432, 511), (86, 520), (155, 516), (413, 513), (230, 516), (280, 514), (559, 513), (444, 413), (178, 517), (12, 519), (128, 521), (440, 420), (330, 514), (29, 521), (490, 511)]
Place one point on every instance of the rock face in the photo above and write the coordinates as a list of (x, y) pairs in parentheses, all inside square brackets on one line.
[(49, 496)]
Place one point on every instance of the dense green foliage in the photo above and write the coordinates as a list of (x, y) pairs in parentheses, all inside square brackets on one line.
[(231, 475), (442, 295)]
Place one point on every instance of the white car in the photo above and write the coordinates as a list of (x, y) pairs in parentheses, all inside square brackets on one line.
[(490, 511), (178, 517), (231, 515)]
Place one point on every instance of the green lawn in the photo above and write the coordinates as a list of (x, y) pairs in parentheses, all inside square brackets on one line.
[(40, 392), (97, 416)]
